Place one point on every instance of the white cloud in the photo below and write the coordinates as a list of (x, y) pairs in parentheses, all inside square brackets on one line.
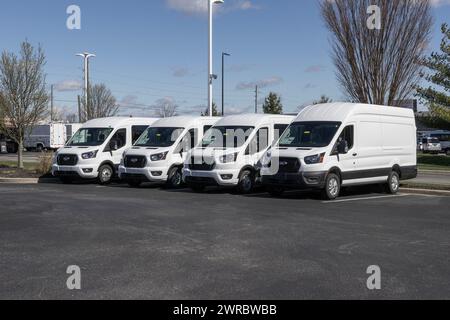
[(201, 6), (438, 3), (314, 69), (68, 85), (272, 81)]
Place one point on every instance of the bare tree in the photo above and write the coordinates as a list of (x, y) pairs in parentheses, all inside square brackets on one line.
[(166, 108), (23, 95), (323, 99), (378, 66), (101, 104)]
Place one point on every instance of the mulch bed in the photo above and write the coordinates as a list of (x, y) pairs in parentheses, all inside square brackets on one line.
[(7, 172)]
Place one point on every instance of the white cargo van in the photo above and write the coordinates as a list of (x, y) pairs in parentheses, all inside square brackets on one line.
[(231, 149), (95, 150), (343, 144), (160, 152), (49, 136)]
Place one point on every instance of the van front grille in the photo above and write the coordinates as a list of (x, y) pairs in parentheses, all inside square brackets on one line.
[(67, 159), (135, 161), (203, 166), (289, 165)]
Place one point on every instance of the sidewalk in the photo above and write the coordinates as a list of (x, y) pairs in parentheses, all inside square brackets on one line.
[(430, 179)]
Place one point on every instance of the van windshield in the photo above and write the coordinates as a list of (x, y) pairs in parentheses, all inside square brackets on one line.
[(89, 137), (226, 136), (159, 137), (309, 134)]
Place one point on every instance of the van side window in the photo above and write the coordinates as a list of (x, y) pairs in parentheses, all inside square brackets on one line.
[(279, 130), (136, 132), (206, 128), (188, 142), (259, 142), (348, 135), (120, 137)]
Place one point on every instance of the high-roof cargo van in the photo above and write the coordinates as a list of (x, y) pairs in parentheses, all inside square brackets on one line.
[(231, 149), (158, 155), (343, 144), (95, 150)]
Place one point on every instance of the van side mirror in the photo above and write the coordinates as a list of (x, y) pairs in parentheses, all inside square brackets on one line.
[(342, 147), (114, 145)]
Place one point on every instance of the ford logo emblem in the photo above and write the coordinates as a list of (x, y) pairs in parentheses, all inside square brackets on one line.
[(133, 160), (283, 163), (66, 158)]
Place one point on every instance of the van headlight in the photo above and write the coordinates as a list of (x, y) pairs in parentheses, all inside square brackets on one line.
[(89, 155), (317, 158), (228, 158), (159, 156)]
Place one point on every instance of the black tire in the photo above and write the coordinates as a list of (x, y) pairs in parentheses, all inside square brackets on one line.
[(175, 178), (275, 191), (66, 180), (246, 182), (39, 148), (105, 174), (133, 183), (332, 187), (197, 188), (393, 183)]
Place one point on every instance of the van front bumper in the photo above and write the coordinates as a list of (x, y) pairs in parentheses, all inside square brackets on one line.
[(217, 177), (147, 174), (81, 171), (300, 180)]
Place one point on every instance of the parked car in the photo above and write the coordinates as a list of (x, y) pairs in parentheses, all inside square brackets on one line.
[(431, 145), (95, 150), (51, 136), (230, 151), (343, 144), (158, 155), (444, 139)]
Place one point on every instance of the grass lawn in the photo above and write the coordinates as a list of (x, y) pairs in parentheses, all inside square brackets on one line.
[(433, 162)]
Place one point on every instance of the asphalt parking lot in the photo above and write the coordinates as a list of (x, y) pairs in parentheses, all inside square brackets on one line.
[(150, 243)]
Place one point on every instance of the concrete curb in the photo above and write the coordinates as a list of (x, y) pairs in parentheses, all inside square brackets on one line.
[(27, 180), (426, 191)]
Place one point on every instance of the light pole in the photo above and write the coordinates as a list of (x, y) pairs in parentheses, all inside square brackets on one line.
[(211, 76), (223, 81), (86, 57)]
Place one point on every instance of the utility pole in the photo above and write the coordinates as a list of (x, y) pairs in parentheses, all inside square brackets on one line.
[(86, 57), (211, 76), (223, 81), (256, 99), (51, 103), (79, 109)]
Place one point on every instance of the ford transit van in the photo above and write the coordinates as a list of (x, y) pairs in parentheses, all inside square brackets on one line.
[(231, 149), (343, 144), (158, 155), (95, 150)]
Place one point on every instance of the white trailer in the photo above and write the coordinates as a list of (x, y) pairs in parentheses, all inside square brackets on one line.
[(46, 137)]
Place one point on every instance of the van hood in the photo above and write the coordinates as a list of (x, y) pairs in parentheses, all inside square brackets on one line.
[(146, 151), (78, 150), (213, 152), (293, 152)]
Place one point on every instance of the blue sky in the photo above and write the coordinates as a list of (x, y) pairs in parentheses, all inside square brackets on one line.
[(152, 50)]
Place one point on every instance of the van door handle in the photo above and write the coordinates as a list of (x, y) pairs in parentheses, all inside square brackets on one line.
[(355, 154)]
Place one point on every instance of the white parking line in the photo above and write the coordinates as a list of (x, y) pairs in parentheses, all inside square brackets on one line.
[(367, 198)]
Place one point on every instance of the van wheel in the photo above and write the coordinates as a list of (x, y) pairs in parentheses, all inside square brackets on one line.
[(393, 183), (275, 191), (332, 187), (175, 178), (39, 148), (105, 174), (134, 183), (246, 182), (197, 188)]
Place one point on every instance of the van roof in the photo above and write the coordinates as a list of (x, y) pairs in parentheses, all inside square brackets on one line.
[(253, 120), (340, 111), (185, 121), (118, 121)]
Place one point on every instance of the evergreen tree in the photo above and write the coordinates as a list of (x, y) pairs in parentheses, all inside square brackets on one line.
[(323, 99), (215, 113), (439, 76), (272, 104)]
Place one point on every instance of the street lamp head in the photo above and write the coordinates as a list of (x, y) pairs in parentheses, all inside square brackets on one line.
[(218, 1), (226, 54)]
